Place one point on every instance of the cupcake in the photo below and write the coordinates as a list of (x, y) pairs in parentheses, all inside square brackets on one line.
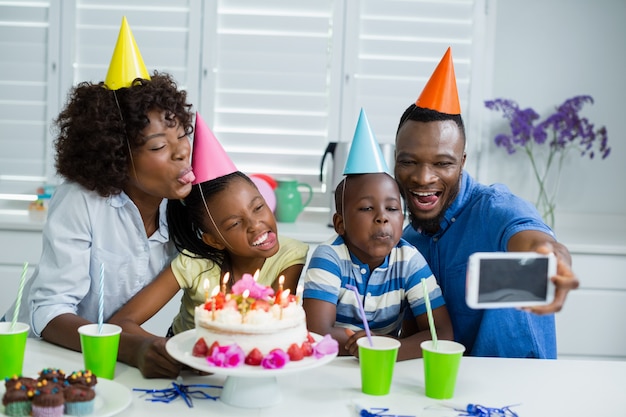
[(79, 400), (48, 401), (85, 377), (52, 375), (17, 400)]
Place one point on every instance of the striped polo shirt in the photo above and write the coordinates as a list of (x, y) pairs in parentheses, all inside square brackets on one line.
[(389, 289)]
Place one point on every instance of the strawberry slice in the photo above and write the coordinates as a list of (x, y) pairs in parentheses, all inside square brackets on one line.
[(295, 352), (254, 358), (310, 338), (260, 305), (200, 349), (214, 346), (307, 349)]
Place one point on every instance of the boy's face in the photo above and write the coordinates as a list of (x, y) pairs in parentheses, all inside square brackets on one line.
[(371, 219)]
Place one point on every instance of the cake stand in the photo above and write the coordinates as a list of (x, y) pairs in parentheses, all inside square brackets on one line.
[(245, 386)]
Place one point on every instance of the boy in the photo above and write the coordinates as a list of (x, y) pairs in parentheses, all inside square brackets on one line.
[(369, 254)]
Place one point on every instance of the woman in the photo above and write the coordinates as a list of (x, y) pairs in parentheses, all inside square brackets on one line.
[(122, 153)]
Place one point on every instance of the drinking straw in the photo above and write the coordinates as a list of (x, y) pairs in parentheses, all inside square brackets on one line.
[(365, 324), (20, 290), (429, 312), (101, 300)]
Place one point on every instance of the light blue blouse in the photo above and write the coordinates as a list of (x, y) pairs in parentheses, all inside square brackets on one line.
[(84, 231)]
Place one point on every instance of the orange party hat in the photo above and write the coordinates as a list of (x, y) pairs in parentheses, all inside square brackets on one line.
[(126, 62), (209, 159), (440, 93)]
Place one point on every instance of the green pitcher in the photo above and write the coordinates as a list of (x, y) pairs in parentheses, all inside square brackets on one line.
[(289, 200)]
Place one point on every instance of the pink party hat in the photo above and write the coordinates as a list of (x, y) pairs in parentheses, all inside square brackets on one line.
[(365, 156), (126, 62), (440, 93), (209, 160)]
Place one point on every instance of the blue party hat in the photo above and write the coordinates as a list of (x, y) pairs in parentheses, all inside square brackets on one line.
[(365, 156)]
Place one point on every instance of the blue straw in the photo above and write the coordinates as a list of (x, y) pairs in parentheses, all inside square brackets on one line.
[(365, 324)]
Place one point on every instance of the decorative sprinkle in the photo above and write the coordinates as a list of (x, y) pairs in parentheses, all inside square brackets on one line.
[(179, 390)]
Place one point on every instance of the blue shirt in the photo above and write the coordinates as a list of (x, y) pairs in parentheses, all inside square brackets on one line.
[(386, 293), (83, 231), (483, 219)]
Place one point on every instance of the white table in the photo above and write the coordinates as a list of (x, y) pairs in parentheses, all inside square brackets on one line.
[(541, 387)]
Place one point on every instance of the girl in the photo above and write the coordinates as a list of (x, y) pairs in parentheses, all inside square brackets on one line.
[(223, 226)]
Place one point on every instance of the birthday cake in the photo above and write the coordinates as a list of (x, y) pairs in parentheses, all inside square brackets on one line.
[(252, 325)]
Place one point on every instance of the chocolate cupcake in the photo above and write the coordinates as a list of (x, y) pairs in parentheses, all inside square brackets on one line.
[(79, 400), (48, 401), (17, 400)]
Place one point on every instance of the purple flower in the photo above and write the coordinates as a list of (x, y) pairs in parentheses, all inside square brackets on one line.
[(228, 356), (276, 359), (546, 142), (326, 346), (561, 130), (257, 291)]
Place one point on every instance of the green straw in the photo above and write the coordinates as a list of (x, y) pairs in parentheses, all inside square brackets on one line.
[(18, 302), (429, 311)]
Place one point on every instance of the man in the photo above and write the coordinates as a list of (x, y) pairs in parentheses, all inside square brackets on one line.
[(452, 216)]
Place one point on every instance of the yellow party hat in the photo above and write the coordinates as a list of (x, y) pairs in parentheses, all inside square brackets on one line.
[(126, 62)]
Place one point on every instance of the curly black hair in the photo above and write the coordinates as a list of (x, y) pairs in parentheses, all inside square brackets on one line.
[(421, 114), (92, 148)]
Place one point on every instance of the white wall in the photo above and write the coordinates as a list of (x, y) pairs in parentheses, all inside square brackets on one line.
[(546, 51)]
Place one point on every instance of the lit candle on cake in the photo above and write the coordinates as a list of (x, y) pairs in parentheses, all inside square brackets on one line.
[(284, 296), (206, 290), (244, 304), (299, 292), (281, 282), (224, 281), (256, 275), (216, 291)]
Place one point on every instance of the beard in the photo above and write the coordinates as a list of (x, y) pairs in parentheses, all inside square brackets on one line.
[(432, 225)]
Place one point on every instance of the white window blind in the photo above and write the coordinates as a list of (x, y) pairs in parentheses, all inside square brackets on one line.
[(25, 87), (272, 80), (396, 46), (276, 80), (162, 29)]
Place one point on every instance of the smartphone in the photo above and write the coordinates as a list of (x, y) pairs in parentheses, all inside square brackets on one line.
[(509, 279)]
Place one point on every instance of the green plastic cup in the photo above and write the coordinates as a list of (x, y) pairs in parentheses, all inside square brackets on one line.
[(441, 367), (377, 363), (100, 349), (12, 346)]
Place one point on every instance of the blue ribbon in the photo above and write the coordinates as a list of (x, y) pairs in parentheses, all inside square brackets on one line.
[(377, 412), (179, 390), (477, 410)]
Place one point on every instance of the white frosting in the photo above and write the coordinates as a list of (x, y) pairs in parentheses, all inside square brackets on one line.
[(264, 330)]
